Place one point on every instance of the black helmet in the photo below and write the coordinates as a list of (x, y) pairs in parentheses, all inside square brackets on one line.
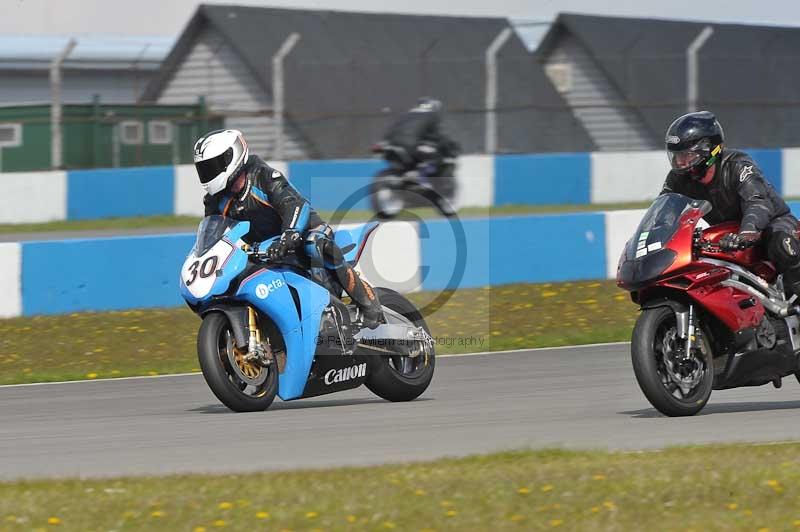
[(694, 144)]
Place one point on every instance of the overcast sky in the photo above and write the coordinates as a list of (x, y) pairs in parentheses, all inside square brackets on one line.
[(167, 17)]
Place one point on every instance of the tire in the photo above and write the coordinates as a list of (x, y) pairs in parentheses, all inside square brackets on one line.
[(645, 358), (379, 189), (215, 332), (384, 378)]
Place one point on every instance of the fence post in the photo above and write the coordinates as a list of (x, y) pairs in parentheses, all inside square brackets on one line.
[(96, 130), (692, 68), (491, 88), (56, 146), (277, 93)]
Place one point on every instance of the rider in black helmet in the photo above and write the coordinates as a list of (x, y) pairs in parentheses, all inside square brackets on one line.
[(702, 168)]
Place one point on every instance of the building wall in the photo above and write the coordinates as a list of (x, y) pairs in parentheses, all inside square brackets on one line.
[(597, 104), (214, 70), (79, 86)]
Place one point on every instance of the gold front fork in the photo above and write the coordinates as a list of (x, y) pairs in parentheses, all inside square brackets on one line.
[(255, 334)]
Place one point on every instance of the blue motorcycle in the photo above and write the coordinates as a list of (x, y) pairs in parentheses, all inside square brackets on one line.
[(281, 328)]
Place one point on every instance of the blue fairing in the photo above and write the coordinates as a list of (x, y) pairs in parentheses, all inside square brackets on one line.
[(299, 332), (274, 284), (351, 241), (233, 267)]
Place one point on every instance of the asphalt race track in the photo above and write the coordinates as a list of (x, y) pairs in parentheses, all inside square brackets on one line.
[(582, 397)]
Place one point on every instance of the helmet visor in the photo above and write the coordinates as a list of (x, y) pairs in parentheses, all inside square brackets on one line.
[(211, 168), (688, 158)]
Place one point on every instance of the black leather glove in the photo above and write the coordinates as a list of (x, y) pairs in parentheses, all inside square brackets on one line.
[(287, 242), (736, 241)]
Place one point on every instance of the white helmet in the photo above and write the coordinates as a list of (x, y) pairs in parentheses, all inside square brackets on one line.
[(219, 157)]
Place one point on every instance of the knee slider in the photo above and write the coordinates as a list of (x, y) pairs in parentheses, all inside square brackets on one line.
[(784, 251)]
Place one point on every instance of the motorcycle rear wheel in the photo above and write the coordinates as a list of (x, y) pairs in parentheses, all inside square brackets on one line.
[(239, 385), (398, 377), (647, 353)]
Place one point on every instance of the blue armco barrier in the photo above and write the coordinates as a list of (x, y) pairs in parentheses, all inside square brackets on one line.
[(542, 179), (771, 164), (330, 185), (795, 208), (102, 274), (120, 192), (515, 250)]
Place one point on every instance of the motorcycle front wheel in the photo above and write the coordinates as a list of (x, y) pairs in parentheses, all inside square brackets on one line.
[(674, 386), (241, 385)]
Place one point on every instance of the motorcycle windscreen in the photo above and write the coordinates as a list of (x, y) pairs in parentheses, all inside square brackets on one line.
[(644, 257), (211, 230)]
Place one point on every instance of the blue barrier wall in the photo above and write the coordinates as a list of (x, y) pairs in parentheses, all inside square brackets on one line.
[(102, 274), (533, 179), (329, 185), (542, 179), (515, 250), (771, 164), (120, 192)]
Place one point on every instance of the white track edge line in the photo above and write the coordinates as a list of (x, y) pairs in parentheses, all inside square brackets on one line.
[(454, 355)]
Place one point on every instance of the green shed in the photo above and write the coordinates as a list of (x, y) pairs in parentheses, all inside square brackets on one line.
[(102, 136)]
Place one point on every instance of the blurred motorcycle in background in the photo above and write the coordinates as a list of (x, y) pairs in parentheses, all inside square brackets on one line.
[(427, 177)]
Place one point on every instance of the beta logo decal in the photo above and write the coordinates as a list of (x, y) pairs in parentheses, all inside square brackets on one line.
[(346, 374), (263, 290), (746, 171)]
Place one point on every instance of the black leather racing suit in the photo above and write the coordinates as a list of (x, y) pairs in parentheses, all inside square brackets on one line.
[(272, 205), (416, 129), (420, 136), (739, 192)]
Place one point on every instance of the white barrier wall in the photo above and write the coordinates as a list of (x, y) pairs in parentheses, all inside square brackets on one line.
[(475, 175), (33, 197), (791, 172), (188, 192), (627, 177), (620, 226), (393, 257), (10, 279)]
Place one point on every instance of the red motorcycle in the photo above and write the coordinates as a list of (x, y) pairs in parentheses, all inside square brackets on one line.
[(710, 319)]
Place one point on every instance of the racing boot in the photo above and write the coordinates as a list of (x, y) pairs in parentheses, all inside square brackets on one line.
[(362, 295)]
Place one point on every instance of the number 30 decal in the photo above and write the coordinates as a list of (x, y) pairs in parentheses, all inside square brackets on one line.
[(208, 267)]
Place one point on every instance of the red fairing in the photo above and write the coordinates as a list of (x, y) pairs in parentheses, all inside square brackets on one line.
[(681, 242), (723, 302), (751, 258), (701, 281)]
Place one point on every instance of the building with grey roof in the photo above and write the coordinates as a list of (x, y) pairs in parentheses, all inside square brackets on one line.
[(352, 73), (115, 68), (626, 79)]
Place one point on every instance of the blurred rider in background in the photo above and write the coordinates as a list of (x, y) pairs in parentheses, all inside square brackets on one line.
[(419, 134)]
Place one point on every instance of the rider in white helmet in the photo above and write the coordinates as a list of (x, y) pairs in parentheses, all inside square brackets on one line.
[(244, 187)]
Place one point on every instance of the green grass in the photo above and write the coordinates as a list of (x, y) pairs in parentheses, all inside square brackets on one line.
[(736, 487), (158, 341), (189, 223)]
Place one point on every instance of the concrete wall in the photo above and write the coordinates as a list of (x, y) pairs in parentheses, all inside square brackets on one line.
[(484, 181), (140, 272)]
